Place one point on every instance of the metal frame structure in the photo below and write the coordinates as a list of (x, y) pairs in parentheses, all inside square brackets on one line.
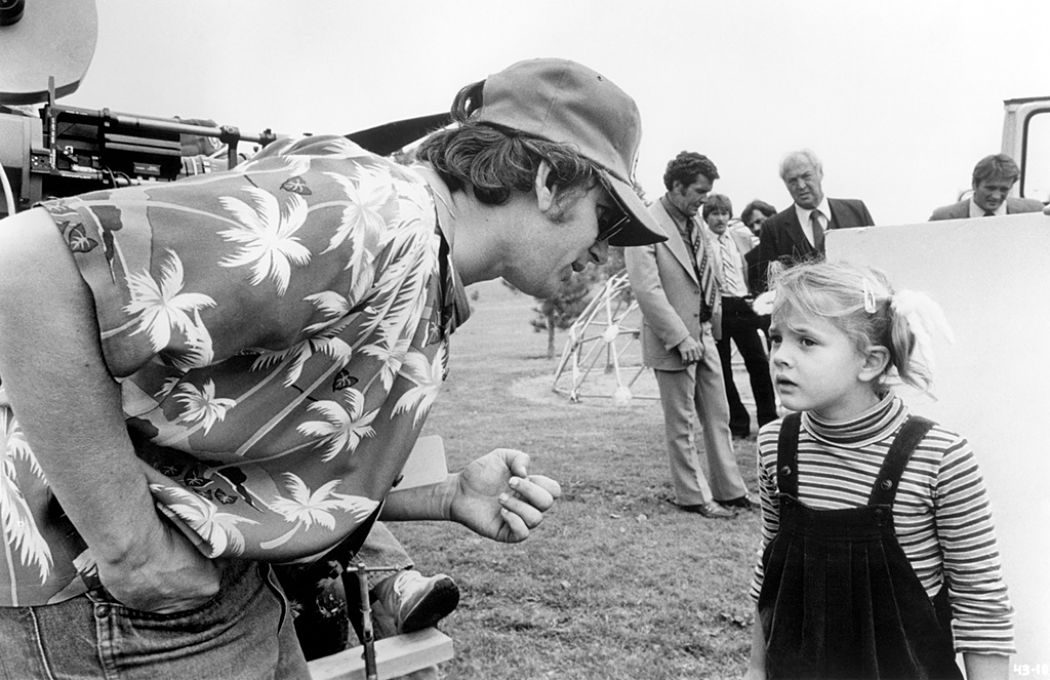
[(604, 332)]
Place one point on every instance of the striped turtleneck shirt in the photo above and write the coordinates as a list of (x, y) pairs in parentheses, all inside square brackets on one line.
[(941, 513)]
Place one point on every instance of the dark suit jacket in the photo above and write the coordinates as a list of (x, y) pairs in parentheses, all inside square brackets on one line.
[(961, 210), (783, 240)]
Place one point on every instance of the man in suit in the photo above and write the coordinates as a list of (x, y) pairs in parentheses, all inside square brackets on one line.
[(676, 286), (797, 233), (993, 178), (740, 324)]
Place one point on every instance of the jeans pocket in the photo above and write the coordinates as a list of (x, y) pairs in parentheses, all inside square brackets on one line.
[(237, 634), (236, 588), (101, 596)]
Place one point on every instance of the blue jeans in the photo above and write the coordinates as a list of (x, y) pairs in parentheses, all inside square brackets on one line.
[(245, 632)]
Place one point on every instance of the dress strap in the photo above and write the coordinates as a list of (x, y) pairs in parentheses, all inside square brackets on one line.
[(787, 454), (904, 444)]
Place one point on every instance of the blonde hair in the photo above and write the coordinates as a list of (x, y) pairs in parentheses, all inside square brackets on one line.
[(862, 303)]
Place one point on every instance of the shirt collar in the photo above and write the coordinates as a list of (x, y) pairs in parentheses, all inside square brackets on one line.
[(978, 211), (803, 213), (874, 424), (680, 218), (455, 307)]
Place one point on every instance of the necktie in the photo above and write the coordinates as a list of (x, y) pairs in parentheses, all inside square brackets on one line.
[(818, 231), (989, 213), (709, 288), (729, 268)]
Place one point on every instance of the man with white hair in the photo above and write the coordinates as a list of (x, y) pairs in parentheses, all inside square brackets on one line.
[(797, 233)]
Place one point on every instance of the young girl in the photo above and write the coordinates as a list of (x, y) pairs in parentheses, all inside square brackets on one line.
[(876, 531)]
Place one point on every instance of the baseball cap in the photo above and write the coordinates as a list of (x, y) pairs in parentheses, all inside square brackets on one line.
[(567, 103)]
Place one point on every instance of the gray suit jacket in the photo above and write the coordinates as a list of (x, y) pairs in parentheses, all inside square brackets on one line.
[(665, 285), (961, 210)]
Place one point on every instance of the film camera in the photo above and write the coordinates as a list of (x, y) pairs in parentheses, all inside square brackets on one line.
[(51, 150)]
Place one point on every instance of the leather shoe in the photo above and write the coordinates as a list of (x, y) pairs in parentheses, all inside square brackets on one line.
[(741, 502), (710, 511)]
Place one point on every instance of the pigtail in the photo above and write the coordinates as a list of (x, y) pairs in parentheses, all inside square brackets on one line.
[(915, 317)]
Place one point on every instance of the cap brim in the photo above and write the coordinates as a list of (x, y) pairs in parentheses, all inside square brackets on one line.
[(641, 228)]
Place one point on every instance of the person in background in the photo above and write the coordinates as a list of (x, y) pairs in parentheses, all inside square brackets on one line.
[(878, 552), (797, 233), (992, 181), (676, 285), (740, 324), (753, 216), (204, 377)]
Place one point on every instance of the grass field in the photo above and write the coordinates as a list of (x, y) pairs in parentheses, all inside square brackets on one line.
[(617, 582)]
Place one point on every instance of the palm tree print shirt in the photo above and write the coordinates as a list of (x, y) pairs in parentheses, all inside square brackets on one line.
[(279, 332)]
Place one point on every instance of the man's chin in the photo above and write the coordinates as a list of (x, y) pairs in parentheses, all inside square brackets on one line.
[(538, 289)]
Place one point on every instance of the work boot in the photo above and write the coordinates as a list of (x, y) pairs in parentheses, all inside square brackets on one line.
[(408, 601)]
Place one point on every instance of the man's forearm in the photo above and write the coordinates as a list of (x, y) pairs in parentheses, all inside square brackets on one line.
[(430, 502), (63, 396)]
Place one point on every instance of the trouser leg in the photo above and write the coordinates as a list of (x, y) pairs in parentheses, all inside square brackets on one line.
[(676, 399), (382, 549), (713, 411), (756, 362), (739, 418)]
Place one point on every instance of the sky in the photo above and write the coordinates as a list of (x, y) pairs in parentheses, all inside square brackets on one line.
[(899, 98)]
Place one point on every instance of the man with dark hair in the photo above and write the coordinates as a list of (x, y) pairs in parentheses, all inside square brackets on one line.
[(676, 285), (755, 214), (206, 376), (797, 233), (740, 324), (993, 178)]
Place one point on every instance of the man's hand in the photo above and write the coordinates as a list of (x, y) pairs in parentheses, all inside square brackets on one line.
[(690, 350), (165, 574), (496, 497)]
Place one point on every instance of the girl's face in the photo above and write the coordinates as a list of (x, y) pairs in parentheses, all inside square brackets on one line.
[(816, 367)]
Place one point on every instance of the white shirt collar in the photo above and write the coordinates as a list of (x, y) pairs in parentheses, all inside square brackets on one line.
[(803, 217), (803, 213), (978, 211)]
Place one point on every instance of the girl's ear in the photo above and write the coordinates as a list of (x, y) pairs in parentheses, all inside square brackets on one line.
[(876, 360)]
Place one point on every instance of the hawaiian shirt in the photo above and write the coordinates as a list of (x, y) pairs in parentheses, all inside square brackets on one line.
[(279, 332)]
